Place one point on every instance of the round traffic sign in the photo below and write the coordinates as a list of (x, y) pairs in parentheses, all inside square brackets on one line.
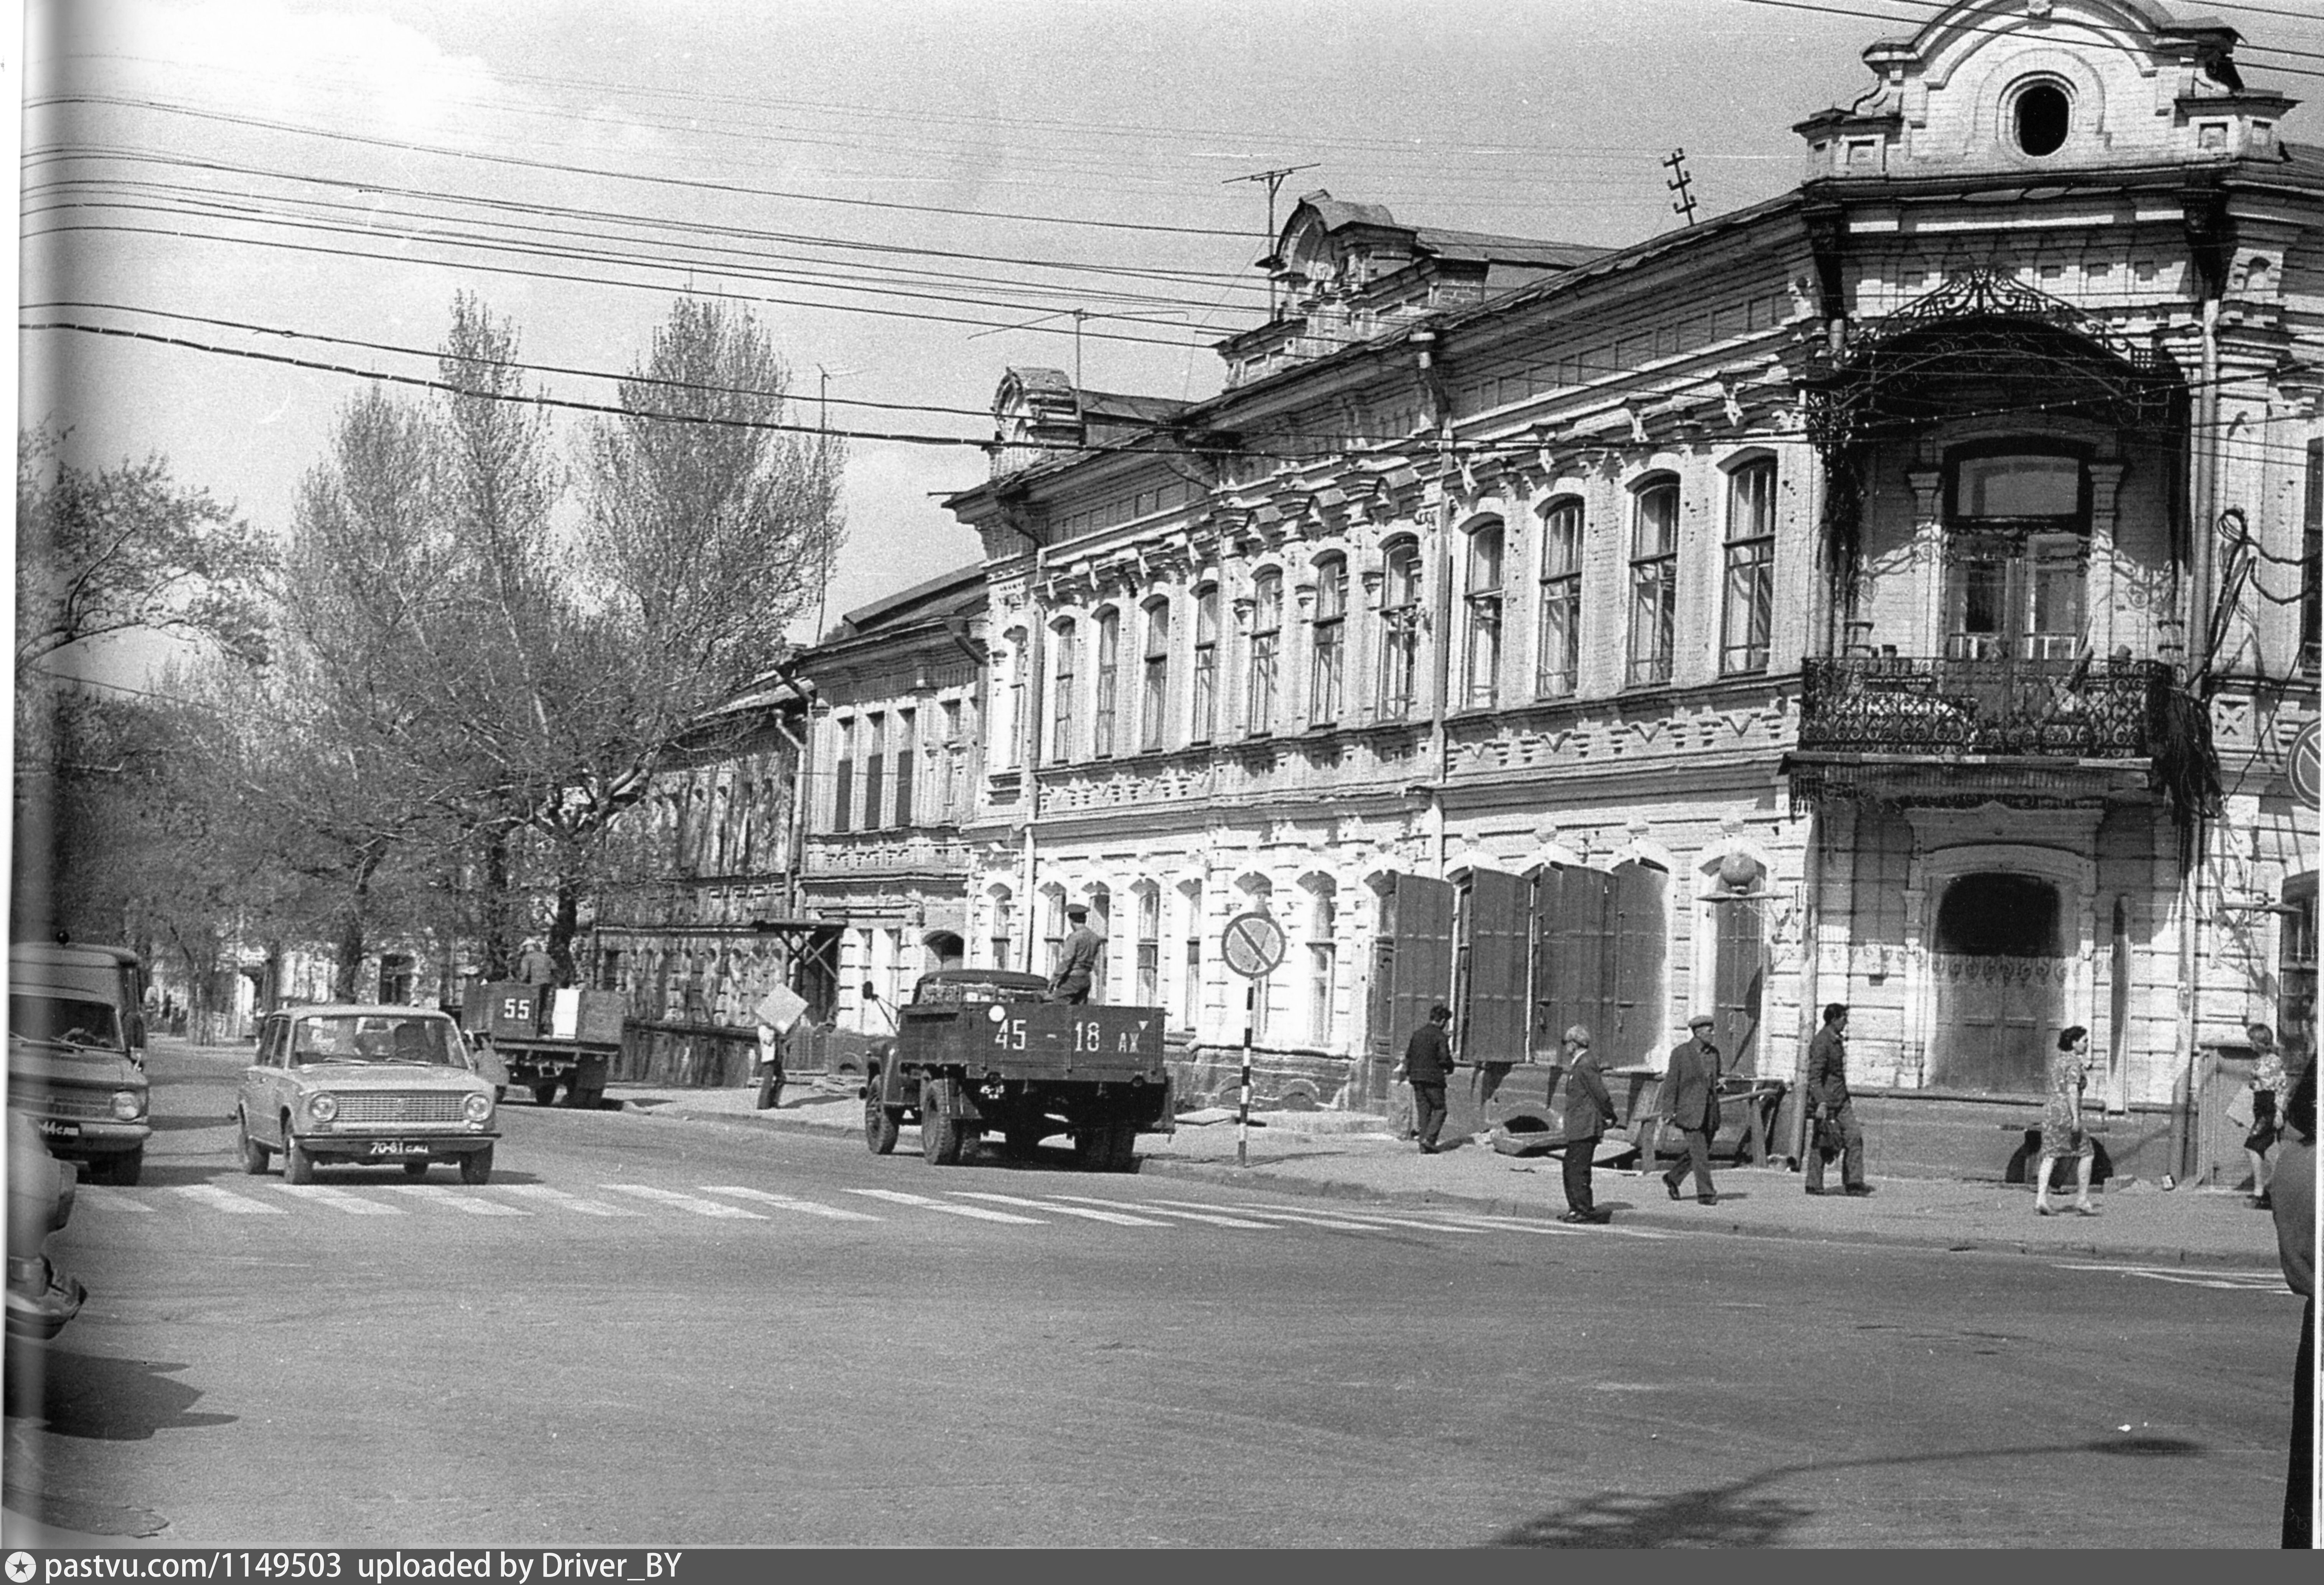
[(1253, 944), (2301, 770)]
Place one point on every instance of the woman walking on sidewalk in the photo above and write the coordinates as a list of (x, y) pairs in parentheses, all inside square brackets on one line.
[(2061, 1123)]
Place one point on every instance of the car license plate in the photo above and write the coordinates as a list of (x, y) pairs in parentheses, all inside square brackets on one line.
[(396, 1148), (51, 1129)]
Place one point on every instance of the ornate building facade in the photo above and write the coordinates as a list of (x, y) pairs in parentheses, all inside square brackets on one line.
[(1901, 592)]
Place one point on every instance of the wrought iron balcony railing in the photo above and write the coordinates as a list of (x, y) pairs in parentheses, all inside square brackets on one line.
[(1943, 709)]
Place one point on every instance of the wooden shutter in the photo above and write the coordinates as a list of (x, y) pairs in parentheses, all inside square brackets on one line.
[(1412, 962), (843, 794), (1492, 1023), (1640, 938), (1740, 974), (903, 786), (1574, 953)]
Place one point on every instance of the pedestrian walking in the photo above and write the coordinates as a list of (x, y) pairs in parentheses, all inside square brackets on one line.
[(1077, 959), (1691, 1098), (1832, 1127), (2062, 1134), (2254, 1108), (1427, 1064), (2295, 1243), (1589, 1110)]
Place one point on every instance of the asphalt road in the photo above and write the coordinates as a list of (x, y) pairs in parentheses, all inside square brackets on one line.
[(652, 1331)]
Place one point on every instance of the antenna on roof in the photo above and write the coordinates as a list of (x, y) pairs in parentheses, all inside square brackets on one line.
[(1274, 179), (1683, 205)]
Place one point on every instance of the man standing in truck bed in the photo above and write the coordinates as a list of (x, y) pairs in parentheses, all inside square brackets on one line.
[(1077, 959)]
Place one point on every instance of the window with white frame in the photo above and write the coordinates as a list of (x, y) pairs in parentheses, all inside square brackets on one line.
[(1266, 650), (1003, 920), (1012, 730), (1190, 954), (1558, 657), (1749, 620), (1653, 582), (1327, 660), (1323, 966), (1053, 929), (2016, 553), (1109, 661), (1153, 691), (1149, 945), (1061, 682), (1205, 681), (1399, 630), (1483, 602)]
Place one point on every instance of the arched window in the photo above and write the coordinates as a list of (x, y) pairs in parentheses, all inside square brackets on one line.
[(1108, 650), (1266, 650), (1323, 959), (1748, 618), (1484, 616), (1329, 651), (1653, 582), (1206, 681), (1061, 694), (1558, 658), (1148, 990), (1400, 630), (1154, 682)]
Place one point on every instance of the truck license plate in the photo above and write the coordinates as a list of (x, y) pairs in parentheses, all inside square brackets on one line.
[(396, 1148), (51, 1129)]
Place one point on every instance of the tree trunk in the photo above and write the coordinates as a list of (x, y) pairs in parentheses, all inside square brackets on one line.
[(566, 924)]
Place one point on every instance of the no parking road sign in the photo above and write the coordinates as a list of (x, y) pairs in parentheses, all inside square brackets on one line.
[(1253, 944)]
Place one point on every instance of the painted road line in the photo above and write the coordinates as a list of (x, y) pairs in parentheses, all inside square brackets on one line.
[(685, 1201), (804, 1207), (564, 1202), (898, 1197), (217, 1199), (1513, 1224), (1292, 1216), (2249, 1282), (1215, 1221), (98, 1199), (336, 1199), (1373, 1218), (1117, 1218), (452, 1200)]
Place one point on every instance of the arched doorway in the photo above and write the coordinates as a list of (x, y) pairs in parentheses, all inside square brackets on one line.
[(944, 950), (2001, 969)]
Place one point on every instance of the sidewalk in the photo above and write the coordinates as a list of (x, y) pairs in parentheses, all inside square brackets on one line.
[(1349, 1155)]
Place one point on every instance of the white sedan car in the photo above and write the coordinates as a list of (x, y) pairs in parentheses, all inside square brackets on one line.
[(360, 1085)]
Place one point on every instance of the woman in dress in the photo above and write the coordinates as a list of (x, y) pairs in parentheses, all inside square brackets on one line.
[(2061, 1123), (2267, 1085)]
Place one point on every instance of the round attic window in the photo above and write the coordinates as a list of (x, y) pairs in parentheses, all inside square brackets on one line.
[(2042, 117)]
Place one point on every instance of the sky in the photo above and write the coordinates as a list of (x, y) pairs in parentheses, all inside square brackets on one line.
[(911, 195)]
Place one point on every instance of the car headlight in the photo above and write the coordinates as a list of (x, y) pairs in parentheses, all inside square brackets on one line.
[(323, 1108), (128, 1105), (480, 1108)]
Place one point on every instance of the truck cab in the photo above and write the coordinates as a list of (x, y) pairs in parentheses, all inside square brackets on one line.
[(77, 1054)]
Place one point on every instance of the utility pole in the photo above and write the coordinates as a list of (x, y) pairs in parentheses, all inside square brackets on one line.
[(1274, 179), (824, 377), (1683, 205)]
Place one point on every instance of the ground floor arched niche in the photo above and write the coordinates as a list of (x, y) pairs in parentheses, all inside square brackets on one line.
[(2000, 971)]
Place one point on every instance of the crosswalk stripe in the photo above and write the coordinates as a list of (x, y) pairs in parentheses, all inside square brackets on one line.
[(336, 1199), (1265, 1227), (217, 1199), (685, 1201), (805, 1207), (1512, 1224), (466, 1204), (1373, 1218), (1293, 1216), (898, 1197), (98, 1199), (1117, 1218), (564, 1202)]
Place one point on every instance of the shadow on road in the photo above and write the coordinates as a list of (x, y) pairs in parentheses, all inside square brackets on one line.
[(100, 1399), (1744, 1514)]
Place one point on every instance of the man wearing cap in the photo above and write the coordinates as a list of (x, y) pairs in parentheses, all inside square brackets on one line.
[(1077, 959), (1588, 1110), (1828, 1099), (1427, 1064), (1691, 1098)]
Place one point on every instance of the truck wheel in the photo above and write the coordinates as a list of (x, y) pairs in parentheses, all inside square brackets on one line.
[(939, 1134), (880, 1126), (592, 1100), (476, 1166), (544, 1095), (298, 1167), (254, 1154)]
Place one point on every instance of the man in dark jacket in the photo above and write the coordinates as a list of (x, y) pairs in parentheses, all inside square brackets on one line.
[(1589, 1111), (1691, 1098), (1427, 1063), (1077, 959), (1828, 1099)]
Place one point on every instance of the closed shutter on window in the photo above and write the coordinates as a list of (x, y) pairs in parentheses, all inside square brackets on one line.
[(1741, 972), (1493, 1024), (1640, 937)]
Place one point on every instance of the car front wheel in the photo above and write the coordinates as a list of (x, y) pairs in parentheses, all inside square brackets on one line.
[(476, 1166)]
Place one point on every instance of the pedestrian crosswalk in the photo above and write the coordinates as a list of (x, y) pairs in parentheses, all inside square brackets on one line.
[(737, 1203)]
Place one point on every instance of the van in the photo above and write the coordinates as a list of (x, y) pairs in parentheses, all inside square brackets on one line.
[(77, 1054)]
